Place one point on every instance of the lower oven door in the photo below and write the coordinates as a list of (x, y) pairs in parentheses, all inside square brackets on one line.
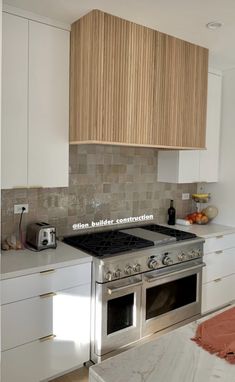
[(171, 295), (117, 314)]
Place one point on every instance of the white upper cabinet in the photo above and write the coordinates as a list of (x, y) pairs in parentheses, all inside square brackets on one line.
[(35, 104), (209, 159), (14, 101), (48, 106), (201, 165)]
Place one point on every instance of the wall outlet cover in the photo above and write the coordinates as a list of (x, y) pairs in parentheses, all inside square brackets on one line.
[(18, 208), (185, 196)]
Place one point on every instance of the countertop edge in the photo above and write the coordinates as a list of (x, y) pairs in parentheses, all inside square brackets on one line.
[(25, 262)]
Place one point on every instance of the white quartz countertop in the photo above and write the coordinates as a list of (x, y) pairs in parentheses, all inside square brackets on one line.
[(206, 231), (24, 262), (170, 358)]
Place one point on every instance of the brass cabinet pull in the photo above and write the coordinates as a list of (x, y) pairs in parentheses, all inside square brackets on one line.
[(219, 237), (47, 338), (45, 295), (218, 252), (217, 280), (47, 271)]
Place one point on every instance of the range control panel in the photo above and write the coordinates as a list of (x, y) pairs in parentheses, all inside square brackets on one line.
[(126, 265)]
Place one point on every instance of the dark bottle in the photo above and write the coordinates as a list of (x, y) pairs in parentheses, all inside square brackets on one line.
[(171, 214)]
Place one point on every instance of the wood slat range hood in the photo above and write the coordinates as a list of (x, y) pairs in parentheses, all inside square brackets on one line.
[(131, 85)]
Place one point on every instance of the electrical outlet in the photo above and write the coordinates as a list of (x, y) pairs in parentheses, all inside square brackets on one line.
[(185, 196), (18, 208)]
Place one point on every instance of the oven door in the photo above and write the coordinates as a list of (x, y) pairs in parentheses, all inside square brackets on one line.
[(117, 314), (171, 295)]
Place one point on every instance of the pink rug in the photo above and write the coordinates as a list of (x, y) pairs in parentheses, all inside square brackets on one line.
[(217, 335)]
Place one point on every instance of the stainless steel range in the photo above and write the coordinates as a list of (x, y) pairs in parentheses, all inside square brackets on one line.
[(144, 280)]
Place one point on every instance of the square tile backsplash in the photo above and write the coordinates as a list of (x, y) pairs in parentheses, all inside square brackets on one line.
[(105, 182)]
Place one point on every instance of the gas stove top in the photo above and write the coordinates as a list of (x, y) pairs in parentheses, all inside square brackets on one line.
[(108, 243), (104, 244), (119, 254)]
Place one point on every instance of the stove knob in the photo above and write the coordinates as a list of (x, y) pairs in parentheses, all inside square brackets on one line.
[(182, 257), (198, 253), (153, 264), (167, 260), (193, 254), (117, 273), (137, 268), (108, 276), (128, 270)]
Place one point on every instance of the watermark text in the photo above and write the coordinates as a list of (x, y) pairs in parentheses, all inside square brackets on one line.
[(107, 222)]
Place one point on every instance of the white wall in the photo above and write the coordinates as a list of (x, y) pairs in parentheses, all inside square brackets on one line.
[(223, 192)]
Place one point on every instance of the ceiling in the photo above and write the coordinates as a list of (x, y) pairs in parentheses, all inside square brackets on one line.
[(185, 19)]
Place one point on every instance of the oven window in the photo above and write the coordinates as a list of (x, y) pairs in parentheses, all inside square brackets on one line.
[(167, 297), (120, 313)]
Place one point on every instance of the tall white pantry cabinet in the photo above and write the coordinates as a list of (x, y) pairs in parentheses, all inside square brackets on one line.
[(35, 104)]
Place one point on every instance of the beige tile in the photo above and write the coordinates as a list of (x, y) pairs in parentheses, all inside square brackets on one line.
[(105, 181)]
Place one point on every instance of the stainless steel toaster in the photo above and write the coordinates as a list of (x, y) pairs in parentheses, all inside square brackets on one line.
[(41, 236)]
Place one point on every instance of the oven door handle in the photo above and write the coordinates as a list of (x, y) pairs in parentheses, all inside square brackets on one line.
[(151, 279), (117, 289)]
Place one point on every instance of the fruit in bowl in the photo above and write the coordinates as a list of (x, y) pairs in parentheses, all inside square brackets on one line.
[(198, 218)]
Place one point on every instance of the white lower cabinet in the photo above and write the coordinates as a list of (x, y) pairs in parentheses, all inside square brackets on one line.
[(47, 335), (218, 293), (219, 264), (39, 361), (218, 288), (23, 321)]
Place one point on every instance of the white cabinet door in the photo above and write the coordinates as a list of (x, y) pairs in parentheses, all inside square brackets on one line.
[(26, 320), (188, 166), (37, 361), (219, 264), (14, 101), (219, 243), (218, 293), (25, 287), (48, 106), (178, 166), (209, 158)]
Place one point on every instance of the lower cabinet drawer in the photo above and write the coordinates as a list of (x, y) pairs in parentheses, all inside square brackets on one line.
[(218, 293), (219, 243), (25, 321), (38, 361), (219, 264), (50, 280)]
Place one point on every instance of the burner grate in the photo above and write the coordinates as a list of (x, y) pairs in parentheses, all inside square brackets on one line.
[(107, 243)]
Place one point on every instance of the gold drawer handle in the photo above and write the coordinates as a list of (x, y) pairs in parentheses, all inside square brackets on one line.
[(47, 338), (47, 271), (45, 295), (219, 252), (219, 237), (217, 280)]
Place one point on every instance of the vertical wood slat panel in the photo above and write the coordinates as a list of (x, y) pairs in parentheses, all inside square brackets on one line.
[(127, 85), (134, 85)]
